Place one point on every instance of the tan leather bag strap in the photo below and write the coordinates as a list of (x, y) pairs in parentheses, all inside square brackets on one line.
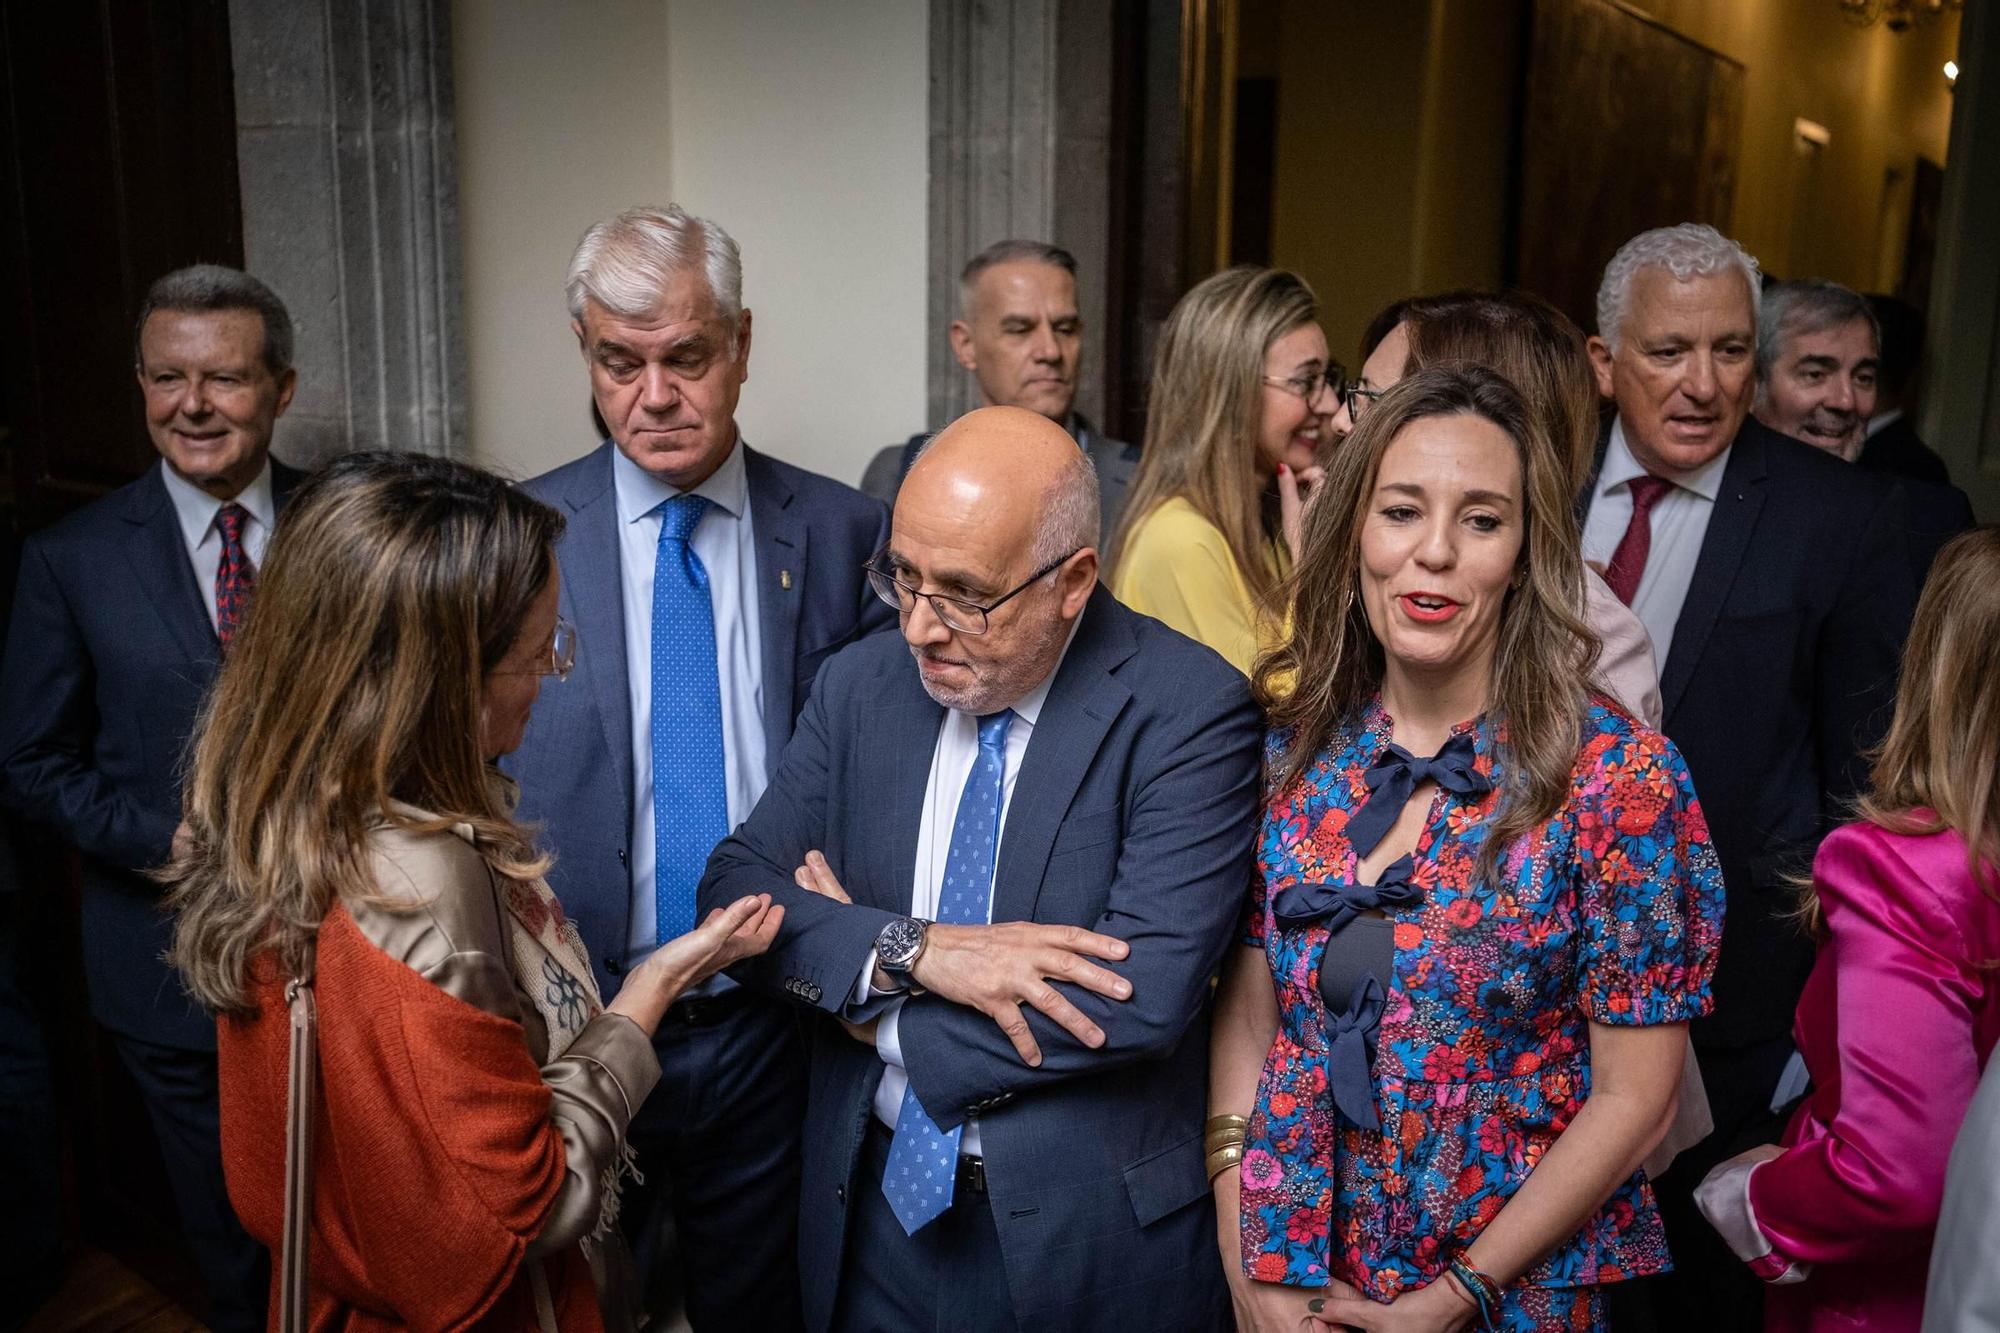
[(303, 1071)]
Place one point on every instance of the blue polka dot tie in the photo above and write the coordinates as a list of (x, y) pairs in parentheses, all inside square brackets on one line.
[(923, 1159), (690, 793)]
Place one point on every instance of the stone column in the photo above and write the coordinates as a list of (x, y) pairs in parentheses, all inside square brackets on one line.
[(350, 212), (1020, 146)]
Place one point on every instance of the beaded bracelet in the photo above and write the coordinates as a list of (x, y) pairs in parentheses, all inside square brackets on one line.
[(1483, 1290)]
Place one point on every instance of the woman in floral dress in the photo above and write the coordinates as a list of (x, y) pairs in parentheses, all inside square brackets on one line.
[(1487, 907)]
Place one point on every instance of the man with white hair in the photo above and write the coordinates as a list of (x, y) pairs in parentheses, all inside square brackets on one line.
[(1020, 335), (1010, 847), (1775, 583), (707, 583)]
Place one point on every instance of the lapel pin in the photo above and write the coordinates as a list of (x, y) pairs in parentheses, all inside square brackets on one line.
[(785, 579)]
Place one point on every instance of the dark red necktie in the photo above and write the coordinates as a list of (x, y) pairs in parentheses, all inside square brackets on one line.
[(1628, 562), (235, 580)]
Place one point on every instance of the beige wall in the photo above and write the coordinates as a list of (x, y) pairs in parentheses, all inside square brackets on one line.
[(1881, 95), (1395, 125), (800, 128)]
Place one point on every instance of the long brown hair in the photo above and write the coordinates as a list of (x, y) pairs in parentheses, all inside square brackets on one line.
[(1320, 678), (1537, 347), (1205, 409), (1939, 766), (393, 584)]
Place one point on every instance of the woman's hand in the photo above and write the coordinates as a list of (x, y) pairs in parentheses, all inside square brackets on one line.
[(1438, 1308), (741, 930), (1295, 489), (1267, 1307)]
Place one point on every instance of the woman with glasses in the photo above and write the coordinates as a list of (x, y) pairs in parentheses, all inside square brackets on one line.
[(1242, 389), (1486, 908), (455, 1151)]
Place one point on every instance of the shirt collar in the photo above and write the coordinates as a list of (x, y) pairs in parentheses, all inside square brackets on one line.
[(640, 492), (196, 508), (1881, 419), (1620, 468)]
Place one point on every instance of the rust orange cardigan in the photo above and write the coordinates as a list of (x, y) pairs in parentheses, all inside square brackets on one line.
[(435, 1160)]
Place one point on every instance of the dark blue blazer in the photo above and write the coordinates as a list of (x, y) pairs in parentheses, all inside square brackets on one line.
[(575, 762), (1134, 814), (1781, 673), (108, 656)]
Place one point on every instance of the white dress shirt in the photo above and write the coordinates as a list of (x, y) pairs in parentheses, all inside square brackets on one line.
[(728, 551), (951, 765), (1679, 523), (197, 509)]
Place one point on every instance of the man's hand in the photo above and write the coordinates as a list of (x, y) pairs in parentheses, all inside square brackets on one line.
[(183, 844), (862, 1032), (996, 969), (816, 876)]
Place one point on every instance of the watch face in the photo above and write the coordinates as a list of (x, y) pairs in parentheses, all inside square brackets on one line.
[(898, 943)]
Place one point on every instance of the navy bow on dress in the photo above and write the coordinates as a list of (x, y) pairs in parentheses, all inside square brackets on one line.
[(1350, 1054), (1396, 773), (1338, 904)]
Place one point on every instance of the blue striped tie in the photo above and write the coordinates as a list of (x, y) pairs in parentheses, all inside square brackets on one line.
[(690, 792), (923, 1159)]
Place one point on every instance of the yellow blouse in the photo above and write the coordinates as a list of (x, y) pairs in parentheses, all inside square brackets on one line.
[(1177, 568)]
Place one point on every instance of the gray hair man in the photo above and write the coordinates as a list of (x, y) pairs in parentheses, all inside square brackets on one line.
[(1020, 334), (710, 581), (1818, 358), (1775, 582), (1011, 842)]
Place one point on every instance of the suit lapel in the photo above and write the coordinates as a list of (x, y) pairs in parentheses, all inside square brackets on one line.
[(1723, 548), (779, 530), (1083, 702), (159, 560), (594, 599), (901, 741)]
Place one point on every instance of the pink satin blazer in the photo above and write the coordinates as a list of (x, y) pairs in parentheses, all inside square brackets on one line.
[(1895, 1025)]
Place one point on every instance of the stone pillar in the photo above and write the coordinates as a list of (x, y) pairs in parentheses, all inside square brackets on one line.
[(1020, 146), (1961, 409), (350, 212)]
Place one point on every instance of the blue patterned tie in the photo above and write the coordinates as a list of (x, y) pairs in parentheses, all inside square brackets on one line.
[(923, 1159), (690, 795)]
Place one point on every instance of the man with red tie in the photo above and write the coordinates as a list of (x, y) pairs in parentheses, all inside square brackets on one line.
[(122, 614), (1775, 583)]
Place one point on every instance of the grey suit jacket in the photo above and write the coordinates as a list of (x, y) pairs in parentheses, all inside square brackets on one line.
[(1114, 460), (1134, 814)]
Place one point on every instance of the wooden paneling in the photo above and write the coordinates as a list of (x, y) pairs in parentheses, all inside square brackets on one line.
[(1626, 126), (117, 164)]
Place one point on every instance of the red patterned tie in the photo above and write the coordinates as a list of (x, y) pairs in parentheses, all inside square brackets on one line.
[(235, 580), (1628, 562)]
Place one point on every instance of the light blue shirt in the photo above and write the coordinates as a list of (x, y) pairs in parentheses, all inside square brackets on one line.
[(196, 509), (1678, 522), (727, 548)]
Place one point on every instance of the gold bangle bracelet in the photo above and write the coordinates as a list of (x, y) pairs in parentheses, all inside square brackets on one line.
[(1238, 1122), (1221, 1138), (1222, 1159)]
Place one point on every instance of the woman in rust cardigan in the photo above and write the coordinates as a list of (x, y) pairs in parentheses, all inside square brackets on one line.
[(345, 826)]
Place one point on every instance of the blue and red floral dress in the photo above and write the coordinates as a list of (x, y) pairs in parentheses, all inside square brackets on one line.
[(1611, 912)]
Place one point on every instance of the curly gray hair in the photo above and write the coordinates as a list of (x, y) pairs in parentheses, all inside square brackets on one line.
[(1690, 250)]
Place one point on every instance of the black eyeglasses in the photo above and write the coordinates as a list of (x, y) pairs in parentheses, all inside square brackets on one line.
[(1357, 399), (957, 613), (1333, 379)]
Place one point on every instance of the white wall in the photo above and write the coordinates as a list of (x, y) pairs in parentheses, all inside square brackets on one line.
[(801, 128)]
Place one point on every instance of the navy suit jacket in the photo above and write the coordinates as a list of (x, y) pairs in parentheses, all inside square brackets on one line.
[(109, 654), (1782, 671), (1134, 814), (574, 764)]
